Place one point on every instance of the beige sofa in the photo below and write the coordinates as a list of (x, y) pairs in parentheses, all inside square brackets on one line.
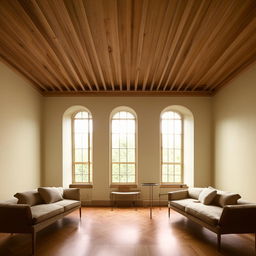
[(223, 213), (33, 211)]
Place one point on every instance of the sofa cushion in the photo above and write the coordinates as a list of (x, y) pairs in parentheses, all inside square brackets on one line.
[(29, 197), (182, 203), (207, 195), (225, 198), (194, 192), (207, 213), (50, 194), (68, 204), (43, 212)]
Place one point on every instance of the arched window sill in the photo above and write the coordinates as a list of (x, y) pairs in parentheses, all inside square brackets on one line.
[(173, 186), (81, 186)]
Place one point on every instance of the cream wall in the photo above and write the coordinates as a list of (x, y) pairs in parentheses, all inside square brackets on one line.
[(148, 111), (20, 134), (235, 136)]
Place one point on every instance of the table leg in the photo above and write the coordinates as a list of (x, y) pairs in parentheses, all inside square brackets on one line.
[(151, 200)]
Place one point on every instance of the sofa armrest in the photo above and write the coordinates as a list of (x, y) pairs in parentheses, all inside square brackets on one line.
[(177, 195), (72, 194), (15, 218), (238, 219)]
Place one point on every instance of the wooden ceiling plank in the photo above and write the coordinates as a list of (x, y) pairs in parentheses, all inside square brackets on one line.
[(141, 41), (112, 36), (21, 59), (197, 41), (24, 45), (177, 35), (186, 41), (73, 42), (171, 34), (204, 49), (100, 37), (245, 66), (159, 21), (234, 61), (48, 52), (87, 30), (239, 41), (128, 43), (23, 71), (76, 20), (56, 44), (163, 39)]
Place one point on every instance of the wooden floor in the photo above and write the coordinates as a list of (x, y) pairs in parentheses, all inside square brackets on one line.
[(126, 232)]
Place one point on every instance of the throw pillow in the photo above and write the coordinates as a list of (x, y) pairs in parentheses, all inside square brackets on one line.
[(50, 194), (194, 192), (29, 197), (225, 198), (207, 195)]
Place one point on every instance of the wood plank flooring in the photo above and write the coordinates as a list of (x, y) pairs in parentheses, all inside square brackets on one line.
[(126, 232)]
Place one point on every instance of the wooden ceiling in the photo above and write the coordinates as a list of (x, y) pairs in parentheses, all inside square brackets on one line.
[(128, 47)]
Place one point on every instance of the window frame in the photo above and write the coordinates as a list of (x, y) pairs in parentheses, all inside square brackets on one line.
[(90, 151), (182, 149), (115, 111)]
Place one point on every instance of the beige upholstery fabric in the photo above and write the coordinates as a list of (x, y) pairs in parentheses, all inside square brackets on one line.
[(43, 212), (181, 204), (207, 195), (208, 213), (68, 204), (176, 195), (15, 218), (224, 198), (72, 193), (194, 192), (50, 194), (29, 197)]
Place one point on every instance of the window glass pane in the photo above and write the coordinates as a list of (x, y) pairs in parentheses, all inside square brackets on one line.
[(177, 141), (171, 129), (123, 147), (115, 155), (115, 140), (131, 141), (82, 143), (131, 169), (177, 156), (81, 155), (115, 169), (81, 125), (115, 126), (177, 126), (131, 178), (123, 141), (123, 155), (131, 155), (131, 126)]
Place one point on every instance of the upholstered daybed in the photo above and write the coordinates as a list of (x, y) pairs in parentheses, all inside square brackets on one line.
[(34, 210), (219, 211)]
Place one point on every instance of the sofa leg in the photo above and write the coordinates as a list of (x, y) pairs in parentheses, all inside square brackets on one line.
[(219, 241), (33, 243), (80, 212)]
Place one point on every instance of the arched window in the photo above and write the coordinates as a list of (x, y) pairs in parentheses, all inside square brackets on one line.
[(82, 147), (172, 147), (123, 147)]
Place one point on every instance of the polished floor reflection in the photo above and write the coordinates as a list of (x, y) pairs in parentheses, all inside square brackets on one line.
[(126, 232)]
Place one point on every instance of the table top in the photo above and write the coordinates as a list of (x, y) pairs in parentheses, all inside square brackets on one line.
[(149, 184), (125, 193)]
